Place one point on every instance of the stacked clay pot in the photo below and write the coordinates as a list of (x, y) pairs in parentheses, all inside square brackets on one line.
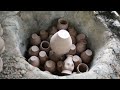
[(60, 50), (2, 47)]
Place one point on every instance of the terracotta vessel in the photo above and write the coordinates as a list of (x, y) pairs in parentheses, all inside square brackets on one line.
[(77, 60), (62, 24), (43, 57), (68, 66), (35, 39), (43, 34), (33, 60), (33, 51), (72, 31), (86, 56), (81, 46), (82, 67), (73, 39), (2, 45), (59, 66), (72, 50), (53, 30), (45, 46), (1, 30), (61, 42), (53, 56), (1, 64), (80, 37), (50, 66)]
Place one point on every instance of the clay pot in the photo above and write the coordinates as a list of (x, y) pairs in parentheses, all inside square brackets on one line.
[(33, 51), (81, 46), (43, 57), (59, 66), (86, 56), (50, 66), (34, 61), (53, 30), (68, 66), (72, 31), (2, 45), (45, 46), (1, 64), (73, 39), (62, 24), (77, 60), (61, 42), (35, 39), (82, 67), (72, 50), (43, 34), (1, 30), (80, 37), (53, 56)]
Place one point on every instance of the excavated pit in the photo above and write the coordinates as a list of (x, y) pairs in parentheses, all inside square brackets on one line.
[(19, 27)]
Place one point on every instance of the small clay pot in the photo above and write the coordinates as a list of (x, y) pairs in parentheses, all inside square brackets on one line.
[(43, 57), (68, 66), (43, 34), (33, 51), (73, 40), (59, 66), (45, 46), (1, 30), (62, 24), (77, 60), (53, 30), (72, 31), (35, 39), (2, 45), (80, 37), (72, 50), (49, 38), (1, 64), (54, 57), (86, 56), (50, 66), (81, 46), (82, 67), (34, 61), (61, 42)]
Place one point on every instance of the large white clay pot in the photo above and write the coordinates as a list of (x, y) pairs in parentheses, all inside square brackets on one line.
[(61, 42)]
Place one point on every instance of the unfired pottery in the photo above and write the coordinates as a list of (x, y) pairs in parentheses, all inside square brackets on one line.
[(33, 51), (82, 67), (33, 60), (86, 56), (77, 60), (61, 42), (62, 24), (35, 39), (43, 57), (45, 46), (81, 46), (50, 66), (43, 34), (68, 66)]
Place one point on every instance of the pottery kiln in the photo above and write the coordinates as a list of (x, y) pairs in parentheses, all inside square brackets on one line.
[(19, 26)]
